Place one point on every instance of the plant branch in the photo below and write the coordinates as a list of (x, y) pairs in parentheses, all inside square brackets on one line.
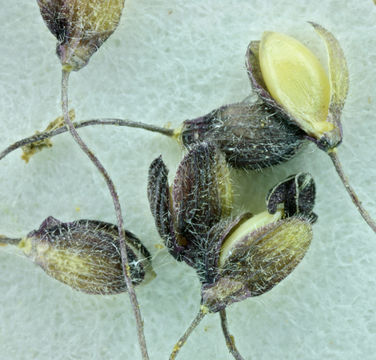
[(8, 241), (337, 164), (117, 122), (203, 311), (230, 342), (115, 198)]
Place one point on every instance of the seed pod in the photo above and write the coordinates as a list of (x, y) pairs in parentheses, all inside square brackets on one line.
[(257, 261), (159, 200), (85, 255), (288, 77), (251, 254), (80, 26), (252, 136), (201, 195)]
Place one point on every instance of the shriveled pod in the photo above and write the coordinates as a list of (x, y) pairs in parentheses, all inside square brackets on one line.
[(250, 255), (85, 255)]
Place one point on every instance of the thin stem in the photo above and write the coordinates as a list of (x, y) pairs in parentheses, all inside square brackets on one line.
[(337, 164), (230, 341), (115, 198), (8, 241), (118, 122), (203, 311)]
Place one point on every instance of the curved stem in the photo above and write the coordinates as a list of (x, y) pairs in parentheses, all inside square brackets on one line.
[(203, 311), (230, 342), (118, 122), (8, 241), (337, 164), (115, 198)]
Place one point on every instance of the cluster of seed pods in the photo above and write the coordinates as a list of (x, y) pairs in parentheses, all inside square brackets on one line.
[(235, 257)]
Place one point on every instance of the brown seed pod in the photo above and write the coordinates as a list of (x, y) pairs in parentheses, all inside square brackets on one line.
[(252, 136), (85, 255), (80, 26), (249, 255), (200, 196)]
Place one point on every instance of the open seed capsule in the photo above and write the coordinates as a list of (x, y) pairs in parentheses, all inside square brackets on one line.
[(85, 255), (253, 261), (289, 77)]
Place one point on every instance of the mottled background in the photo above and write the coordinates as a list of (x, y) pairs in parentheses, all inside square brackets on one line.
[(169, 61)]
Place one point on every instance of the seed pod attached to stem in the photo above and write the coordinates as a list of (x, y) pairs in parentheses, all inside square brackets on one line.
[(84, 254), (290, 79), (234, 258), (308, 105), (81, 26)]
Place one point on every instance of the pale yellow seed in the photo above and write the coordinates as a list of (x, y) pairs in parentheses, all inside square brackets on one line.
[(252, 224), (297, 80)]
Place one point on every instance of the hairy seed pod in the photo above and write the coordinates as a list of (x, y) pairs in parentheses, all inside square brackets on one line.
[(85, 255), (160, 206), (200, 196), (252, 136), (288, 77), (257, 261), (251, 254), (80, 26)]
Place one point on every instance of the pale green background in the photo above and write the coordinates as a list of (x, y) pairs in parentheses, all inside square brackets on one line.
[(169, 61)]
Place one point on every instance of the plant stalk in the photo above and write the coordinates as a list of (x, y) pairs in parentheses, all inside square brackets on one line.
[(203, 311), (109, 121), (115, 198), (9, 241), (337, 164), (230, 341)]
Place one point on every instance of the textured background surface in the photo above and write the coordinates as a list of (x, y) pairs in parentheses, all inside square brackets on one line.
[(169, 61)]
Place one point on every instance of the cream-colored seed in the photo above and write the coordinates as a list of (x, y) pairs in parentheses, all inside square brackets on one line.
[(297, 80)]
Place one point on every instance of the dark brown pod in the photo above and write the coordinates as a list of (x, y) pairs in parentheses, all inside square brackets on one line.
[(252, 136), (80, 26), (159, 201), (201, 195), (201, 192), (85, 255)]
